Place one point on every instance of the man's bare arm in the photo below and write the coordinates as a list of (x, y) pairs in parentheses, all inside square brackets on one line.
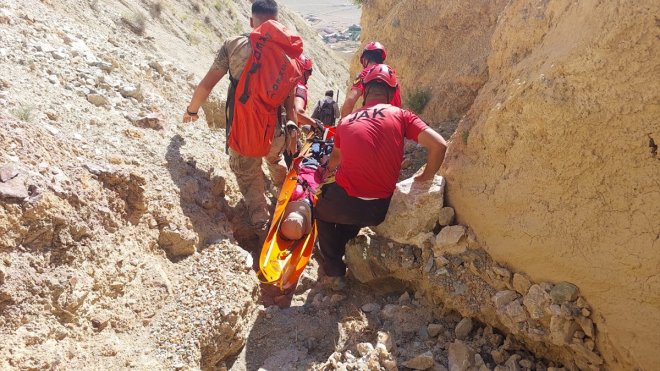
[(202, 93), (436, 147), (334, 161), (303, 118), (349, 103)]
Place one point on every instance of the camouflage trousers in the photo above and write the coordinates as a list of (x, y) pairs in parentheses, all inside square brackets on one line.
[(251, 178)]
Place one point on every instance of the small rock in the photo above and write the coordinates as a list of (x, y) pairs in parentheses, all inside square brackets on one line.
[(337, 298), (446, 216), (463, 328), (421, 362), (587, 326), (450, 235), (370, 307), (151, 121), (7, 172), (389, 311), (503, 298), (52, 115), (526, 363), (157, 66), (502, 272), (460, 356), (515, 311), (512, 363), (499, 356), (404, 298), (98, 100), (434, 329), (130, 91), (521, 283), (564, 292), (536, 301), (364, 348), (386, 340)]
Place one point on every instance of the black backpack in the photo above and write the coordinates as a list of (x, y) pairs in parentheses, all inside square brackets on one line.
[(325, 113)]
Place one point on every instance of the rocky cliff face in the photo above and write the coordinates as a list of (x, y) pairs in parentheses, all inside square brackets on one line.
[(439, 48), (555, 165)]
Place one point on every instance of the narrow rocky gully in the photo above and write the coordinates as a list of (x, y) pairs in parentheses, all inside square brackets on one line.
[(124, 242)]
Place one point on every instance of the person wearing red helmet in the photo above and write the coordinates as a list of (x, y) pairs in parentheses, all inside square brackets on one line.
[(367, 156), (300, 104), (373, 54)]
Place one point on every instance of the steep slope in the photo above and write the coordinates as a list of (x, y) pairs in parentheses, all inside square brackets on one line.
[(116, 221), (555, 164)]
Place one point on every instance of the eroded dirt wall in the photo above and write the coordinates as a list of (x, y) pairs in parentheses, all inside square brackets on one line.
[(556, 166), (438, 47)]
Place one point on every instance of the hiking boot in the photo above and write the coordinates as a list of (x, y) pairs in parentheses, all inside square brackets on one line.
[(337, 283)]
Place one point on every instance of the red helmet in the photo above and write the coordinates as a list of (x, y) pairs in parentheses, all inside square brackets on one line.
[(305, 62), (373, 45), (381, 72)]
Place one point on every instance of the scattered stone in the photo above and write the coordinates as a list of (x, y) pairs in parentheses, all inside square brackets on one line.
[(14, 187), (521, 283), (157, 66), (434, 329), (7, 172), (130, 91), (153, 120), (463, 328), (98, 100), (404, 298), (448, 239), (564, 292), (587, 326), (512, 363), (503, 298), (52, 115), (386, 340), (446, 216), (337, 298), (562, 330), (536, 301), (364, 348), (370, 307), (526, 363), (177, 242), (499, 356), (460, 356), (423, 361), (389, 311), (502, 272)]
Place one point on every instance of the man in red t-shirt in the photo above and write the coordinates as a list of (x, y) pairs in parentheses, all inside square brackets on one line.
[(367, 157), (373, 54)]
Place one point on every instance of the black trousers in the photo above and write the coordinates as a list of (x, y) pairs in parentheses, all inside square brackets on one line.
[(339, 218)]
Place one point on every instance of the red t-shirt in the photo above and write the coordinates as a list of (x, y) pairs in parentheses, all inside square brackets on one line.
[(371, 143), (359, 85), (301, 91)]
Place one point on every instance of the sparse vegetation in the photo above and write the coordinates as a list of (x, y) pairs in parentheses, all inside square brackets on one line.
[(24, 113), (418, 99), (136, 22), (464, 136), (155, 9), (196, 7)]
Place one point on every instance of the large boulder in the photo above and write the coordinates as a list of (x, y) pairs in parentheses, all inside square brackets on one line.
[(555, 166), (413, 211)]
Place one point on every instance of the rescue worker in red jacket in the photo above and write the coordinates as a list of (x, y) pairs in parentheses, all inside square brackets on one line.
[(367, 158), (374, 53), (232, 58)]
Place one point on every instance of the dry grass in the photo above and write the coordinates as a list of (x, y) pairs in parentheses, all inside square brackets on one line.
[(136, 22)]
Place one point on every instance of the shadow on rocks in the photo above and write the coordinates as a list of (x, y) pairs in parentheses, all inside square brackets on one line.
[(202, 195)]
